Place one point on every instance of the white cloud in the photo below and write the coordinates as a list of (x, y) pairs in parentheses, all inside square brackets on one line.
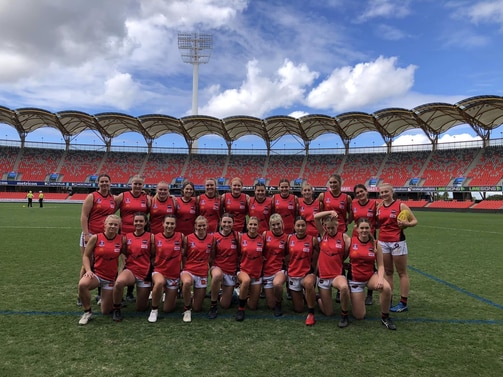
[(385, 9), (120, 91), (259, 94), (298, 114), (486, 11), (390, 33), (362, 85), (421, 138)]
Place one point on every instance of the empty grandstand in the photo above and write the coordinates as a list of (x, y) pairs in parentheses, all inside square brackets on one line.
[(427, 172)]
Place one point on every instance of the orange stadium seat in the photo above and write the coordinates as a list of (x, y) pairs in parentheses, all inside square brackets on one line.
[(446, 165), (37, 164), (416, 203), (488, 170), (489, 204), (248, 168), (399, 168), (359, 168), (163, 167), (8, 156), (451, 204), (202, 166), (284, 167), (121, 166), (319, 168), (78, 165)]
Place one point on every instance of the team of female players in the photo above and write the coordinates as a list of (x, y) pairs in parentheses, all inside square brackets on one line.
[(246, 245)]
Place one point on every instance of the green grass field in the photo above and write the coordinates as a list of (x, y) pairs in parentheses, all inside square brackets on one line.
[(454, 326)]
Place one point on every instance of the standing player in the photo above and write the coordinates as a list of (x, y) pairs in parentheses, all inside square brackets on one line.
[(308, 208), (340, 202), (162, 204), (285, 203), (209, 204), (186, 209), (236, 204), (261, 207), (392, 241)]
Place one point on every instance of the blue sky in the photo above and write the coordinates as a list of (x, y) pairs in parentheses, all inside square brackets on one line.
[(270, 57)]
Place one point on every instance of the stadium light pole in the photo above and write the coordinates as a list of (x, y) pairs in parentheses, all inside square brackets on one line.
[(195, 49)]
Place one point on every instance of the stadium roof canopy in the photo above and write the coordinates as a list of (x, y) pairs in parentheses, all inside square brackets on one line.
[(482, 113)]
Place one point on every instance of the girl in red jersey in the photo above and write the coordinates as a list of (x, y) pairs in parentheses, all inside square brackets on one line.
[(274, 274), (95, 209), (209, 204), (139, 257), (363, 254), (392, 241), (302, 259), (131, 202), (308, 208), (224, 263), (236, 203), (340, 202), (195, 262), (162, 204), (250, 268), (285, 203), (186, 209), (168, 250), (367, 208), (102, 249), (334, 249), (261, 207)]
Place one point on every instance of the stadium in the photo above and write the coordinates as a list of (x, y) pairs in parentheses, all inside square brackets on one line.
[(436, 175)]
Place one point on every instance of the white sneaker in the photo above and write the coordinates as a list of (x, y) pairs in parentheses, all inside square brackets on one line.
[(153, 315), (187, 316), (86, 317)]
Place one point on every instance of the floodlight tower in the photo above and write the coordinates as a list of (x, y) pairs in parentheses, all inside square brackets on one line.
[(195, 49)]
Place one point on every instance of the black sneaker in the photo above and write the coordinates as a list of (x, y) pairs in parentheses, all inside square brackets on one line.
[(388, 323), (277, 310), (117, 315), (240, 315), (213, 313), (344, 322)]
